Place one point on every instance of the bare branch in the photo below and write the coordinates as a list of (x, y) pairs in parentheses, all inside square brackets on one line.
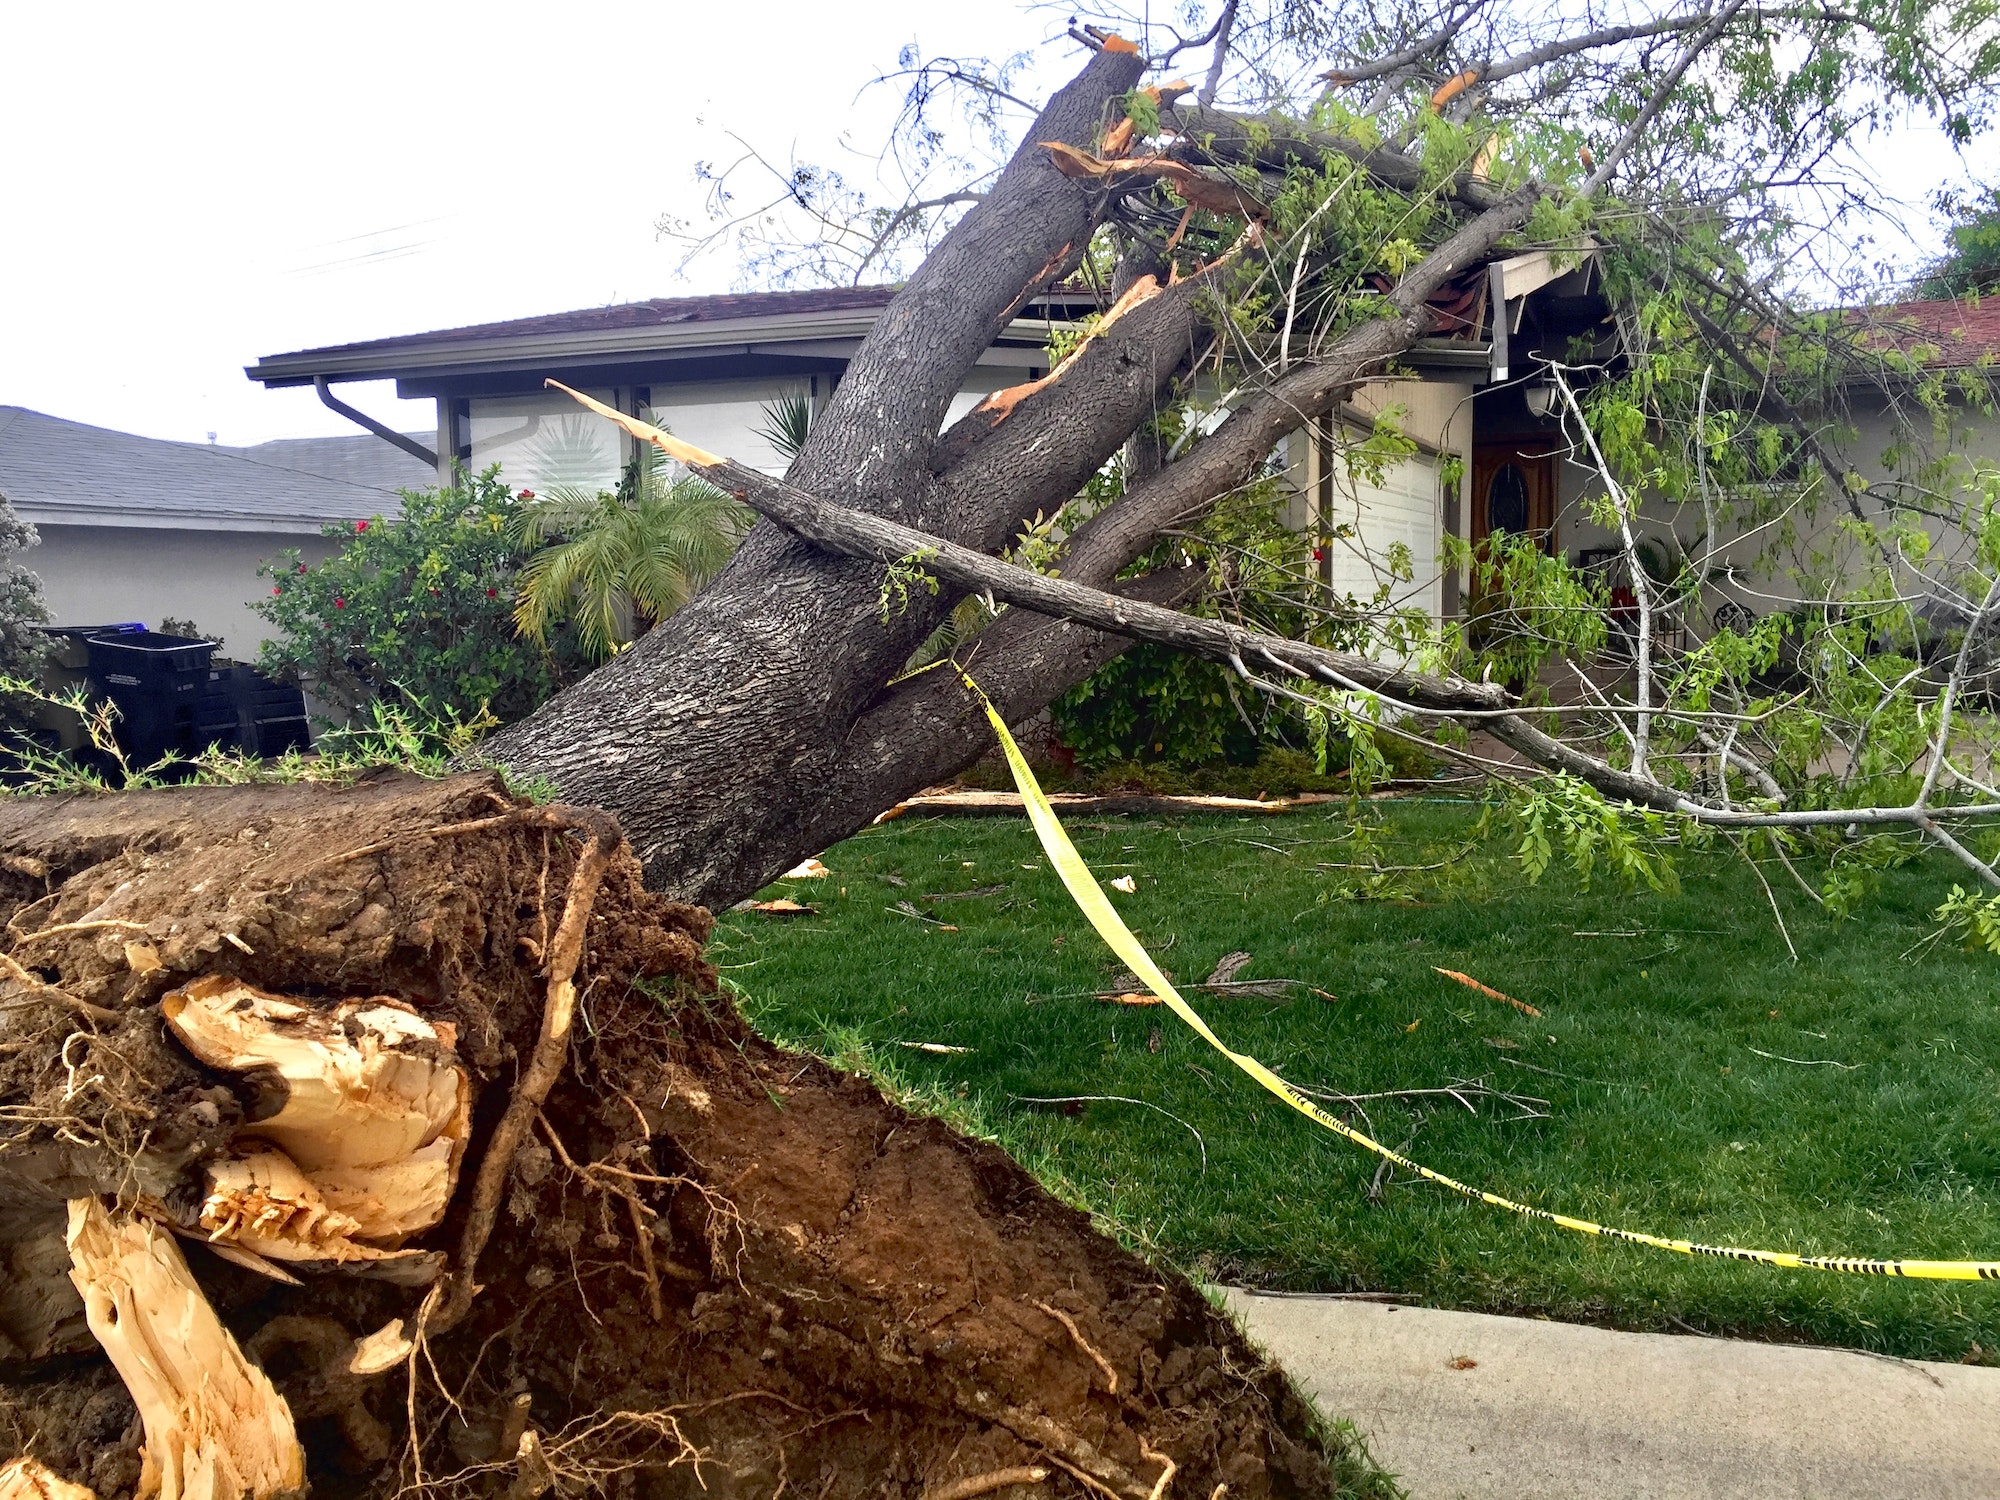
[(1224, 24), (1662, 92)]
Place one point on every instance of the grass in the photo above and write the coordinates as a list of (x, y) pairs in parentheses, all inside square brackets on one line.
[(1661, 1054)]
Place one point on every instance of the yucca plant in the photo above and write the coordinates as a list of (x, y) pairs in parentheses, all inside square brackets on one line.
[(615, 563)]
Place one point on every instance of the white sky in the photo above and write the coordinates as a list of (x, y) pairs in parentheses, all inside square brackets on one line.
[(190, 187)]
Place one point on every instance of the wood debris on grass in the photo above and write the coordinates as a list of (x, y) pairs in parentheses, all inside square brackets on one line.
[(1487, 990), (1229, 966), (1002, 804), (811, 869), (938, 1047), (909, 909), (782, 907), (976, 893), (1221, 982)]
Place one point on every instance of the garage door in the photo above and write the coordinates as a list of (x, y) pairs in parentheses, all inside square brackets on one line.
[(1401, 511)]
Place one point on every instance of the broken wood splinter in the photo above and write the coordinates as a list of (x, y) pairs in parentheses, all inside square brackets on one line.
[(216, 1428), (29, 1479), (1487, 990)]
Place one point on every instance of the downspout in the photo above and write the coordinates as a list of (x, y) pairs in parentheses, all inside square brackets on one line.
[(388, 434)]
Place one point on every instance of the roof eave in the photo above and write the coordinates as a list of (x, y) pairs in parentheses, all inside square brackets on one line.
[(560, 350), (191, 519)]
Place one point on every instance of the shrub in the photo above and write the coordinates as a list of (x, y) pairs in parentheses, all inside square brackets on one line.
[(24, 650), (417, 611), (1155, 704)]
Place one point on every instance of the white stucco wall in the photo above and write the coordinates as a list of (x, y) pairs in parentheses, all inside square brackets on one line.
[(1768, 555), (726, 416), (102, 575)]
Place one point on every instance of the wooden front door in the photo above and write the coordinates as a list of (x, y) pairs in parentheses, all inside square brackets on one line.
[(1513, 491)]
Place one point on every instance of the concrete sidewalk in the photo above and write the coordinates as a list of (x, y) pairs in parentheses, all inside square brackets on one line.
[(1465, 1406)]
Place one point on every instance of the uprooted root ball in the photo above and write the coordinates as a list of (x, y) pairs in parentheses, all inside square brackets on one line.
[(703, 1265)]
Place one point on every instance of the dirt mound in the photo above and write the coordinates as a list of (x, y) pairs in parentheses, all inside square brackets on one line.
[(713, 1267)]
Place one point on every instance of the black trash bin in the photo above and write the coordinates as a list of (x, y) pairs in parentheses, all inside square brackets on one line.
[(158, 684), (264, 717)]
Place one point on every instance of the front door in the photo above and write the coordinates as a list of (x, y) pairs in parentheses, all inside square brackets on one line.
[(1514, 490)]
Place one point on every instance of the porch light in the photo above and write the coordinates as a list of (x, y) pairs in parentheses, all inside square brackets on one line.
[(1541, 399)]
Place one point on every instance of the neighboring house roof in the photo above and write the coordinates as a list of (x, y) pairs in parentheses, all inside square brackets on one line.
[(1964, 333), (58, 472), (358, 459), (826, 322)]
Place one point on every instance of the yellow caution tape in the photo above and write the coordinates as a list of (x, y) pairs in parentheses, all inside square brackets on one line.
[(1095, 905)]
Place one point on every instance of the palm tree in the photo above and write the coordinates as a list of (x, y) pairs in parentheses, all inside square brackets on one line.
[(616, 563)]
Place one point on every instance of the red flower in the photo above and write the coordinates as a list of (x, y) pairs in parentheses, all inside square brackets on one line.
[(493, 593), (1318, 555), (359, 527), (527, 494), (277, 591), (302, 567), (339, 603)]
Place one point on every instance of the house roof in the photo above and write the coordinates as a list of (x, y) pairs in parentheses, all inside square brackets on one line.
[(1964, 333), (58, 472), (824, 322)]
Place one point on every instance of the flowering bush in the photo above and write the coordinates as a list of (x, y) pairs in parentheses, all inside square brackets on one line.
[(415, 609)]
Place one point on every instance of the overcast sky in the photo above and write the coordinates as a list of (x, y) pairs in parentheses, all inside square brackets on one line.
[(190, 187)]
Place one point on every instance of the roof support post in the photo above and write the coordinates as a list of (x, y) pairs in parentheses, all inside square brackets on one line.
[(1497, 300), (447, 440), (388, 434)]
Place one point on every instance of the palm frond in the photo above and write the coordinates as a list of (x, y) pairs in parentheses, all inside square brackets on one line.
[(612, 564), (787, 423)]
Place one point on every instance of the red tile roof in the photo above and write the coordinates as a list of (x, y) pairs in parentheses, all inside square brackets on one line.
[(1962, 333)]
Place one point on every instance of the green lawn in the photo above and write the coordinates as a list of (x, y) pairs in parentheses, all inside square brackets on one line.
[(1663, 1111)]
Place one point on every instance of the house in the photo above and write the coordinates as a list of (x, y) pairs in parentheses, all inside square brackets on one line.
[(704, 367), (1473, 398), (139, 529), (708, 368)]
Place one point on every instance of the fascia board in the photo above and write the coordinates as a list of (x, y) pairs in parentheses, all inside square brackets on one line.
[(692, 340), (188, 520)]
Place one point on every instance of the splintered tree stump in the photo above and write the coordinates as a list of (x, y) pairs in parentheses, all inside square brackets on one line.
[(394, 1140)]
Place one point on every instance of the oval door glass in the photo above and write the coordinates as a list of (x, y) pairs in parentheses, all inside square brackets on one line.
[(1507, 500)]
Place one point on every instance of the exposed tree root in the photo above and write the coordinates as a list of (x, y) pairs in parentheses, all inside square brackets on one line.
[(677, 1261)]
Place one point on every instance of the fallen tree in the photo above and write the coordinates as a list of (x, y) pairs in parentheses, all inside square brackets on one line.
[(394, 1140), (393, 1136), (1257, 267)]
